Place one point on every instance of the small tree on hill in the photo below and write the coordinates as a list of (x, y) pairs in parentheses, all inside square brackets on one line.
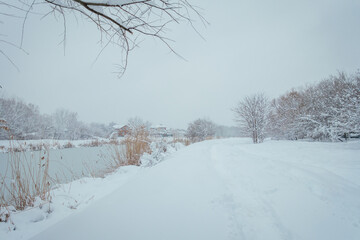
[(251, 114)]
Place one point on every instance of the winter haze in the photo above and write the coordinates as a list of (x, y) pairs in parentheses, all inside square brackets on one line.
[(249, 47)]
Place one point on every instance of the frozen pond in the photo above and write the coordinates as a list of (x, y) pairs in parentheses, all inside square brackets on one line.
[(66, 164)]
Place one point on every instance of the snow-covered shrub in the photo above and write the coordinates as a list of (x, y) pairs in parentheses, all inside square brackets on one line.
[(200, 130), (5, 213), (159, 150)]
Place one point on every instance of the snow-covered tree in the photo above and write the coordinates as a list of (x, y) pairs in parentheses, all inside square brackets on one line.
[(328, 110), (24, 121), (332, 108), (251, 114), (284, 116), (200, 130), (67, 125), (21, 118)]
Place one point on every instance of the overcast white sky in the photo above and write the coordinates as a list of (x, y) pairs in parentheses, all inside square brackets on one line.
[(249, 47)]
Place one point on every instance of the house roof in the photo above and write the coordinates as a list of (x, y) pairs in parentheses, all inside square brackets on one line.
[(159, 126), (119, 126)]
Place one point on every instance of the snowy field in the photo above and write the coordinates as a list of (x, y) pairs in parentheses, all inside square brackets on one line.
[(219, 189)]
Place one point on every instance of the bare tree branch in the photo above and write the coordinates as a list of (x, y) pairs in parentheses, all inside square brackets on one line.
[(23, 26), (9, 59), (120, 22)]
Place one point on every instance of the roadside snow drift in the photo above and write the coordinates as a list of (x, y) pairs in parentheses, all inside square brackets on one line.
[(231, 189)]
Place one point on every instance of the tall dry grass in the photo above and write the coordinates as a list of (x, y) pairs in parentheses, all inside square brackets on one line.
[(130, 149), (24, 178), (124, 152), (184, 140), (136, 144)]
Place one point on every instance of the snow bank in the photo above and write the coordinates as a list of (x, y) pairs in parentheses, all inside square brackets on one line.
[(67, 199)]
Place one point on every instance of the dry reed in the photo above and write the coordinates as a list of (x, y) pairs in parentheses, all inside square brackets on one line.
[(24, 178)]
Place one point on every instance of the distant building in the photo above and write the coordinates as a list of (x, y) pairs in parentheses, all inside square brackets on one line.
[(179, 133), (120, 131), (160, 131)]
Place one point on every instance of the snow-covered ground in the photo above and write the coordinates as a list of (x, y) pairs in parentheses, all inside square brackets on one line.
[(219, 189)]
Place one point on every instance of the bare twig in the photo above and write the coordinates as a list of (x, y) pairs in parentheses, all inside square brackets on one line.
[(23, 26), (119, 23)]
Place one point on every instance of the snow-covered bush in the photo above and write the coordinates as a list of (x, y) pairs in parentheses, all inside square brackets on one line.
[(159, 150), (200, 130)]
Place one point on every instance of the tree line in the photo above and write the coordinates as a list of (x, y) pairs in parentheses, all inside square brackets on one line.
[(23, 121), (327, 110)]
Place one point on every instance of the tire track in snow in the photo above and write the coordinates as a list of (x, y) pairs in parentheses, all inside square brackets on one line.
[(227, 201), (326, 185), (249, 211), (327, 199)]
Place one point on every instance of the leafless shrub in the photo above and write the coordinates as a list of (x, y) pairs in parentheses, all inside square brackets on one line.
[(69, 145), (94, 143), (37, 147)]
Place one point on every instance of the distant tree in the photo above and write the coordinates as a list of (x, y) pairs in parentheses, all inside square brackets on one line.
[(23, 120), (226, 131), (19, 120), (67, 125), (200, 130), (251, 114), (99, 130), (120, 22)]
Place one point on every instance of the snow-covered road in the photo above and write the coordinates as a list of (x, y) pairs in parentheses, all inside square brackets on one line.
[(231, 189)]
